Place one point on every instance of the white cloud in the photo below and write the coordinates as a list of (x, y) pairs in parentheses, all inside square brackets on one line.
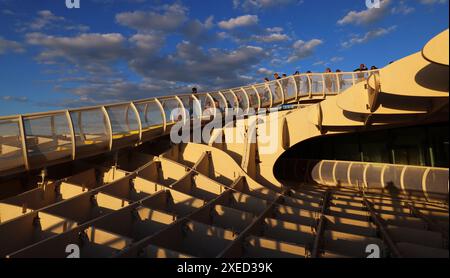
[(8, 12), (359, 39), (165, 18), (240, 21), (274, 29), (197, 31), (336, 59), (147, 43), (431, 2), (271, 38), (367, 16), (209, 22), (207, 66), (302, 49), (83, 50), (402, 8), (265, 71), (46, 19), (319, 63), (332, 60), (262, 4), (10, 46), (14, 98)]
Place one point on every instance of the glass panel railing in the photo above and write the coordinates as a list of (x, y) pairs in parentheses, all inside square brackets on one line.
[(242, 101), (207, 104), (305, 85), (220, 101), (346, 80), (230, 98), (264, 94), (317, 86), (151, 118), (289, 88), (48, 139), (11, 152), (361, 76), (331, 84), (124, 124), (92, 133), (173, 110), (50, 135), (252, 97), (275, 88), (191, 105)]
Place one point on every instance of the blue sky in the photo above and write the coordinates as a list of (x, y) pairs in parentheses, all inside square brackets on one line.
[(52, 57)]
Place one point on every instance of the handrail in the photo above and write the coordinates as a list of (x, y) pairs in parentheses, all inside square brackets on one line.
[(86, 138), (46, 113)]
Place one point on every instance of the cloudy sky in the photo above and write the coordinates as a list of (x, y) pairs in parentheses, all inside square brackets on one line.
[(52, 57)]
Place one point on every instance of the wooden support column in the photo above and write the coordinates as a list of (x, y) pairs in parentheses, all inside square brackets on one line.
[(321, 225)]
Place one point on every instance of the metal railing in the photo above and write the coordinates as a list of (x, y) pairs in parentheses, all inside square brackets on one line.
[(32, 141)]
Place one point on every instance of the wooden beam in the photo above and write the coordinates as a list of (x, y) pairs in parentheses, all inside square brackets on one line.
[(321, 225), (383, 230)]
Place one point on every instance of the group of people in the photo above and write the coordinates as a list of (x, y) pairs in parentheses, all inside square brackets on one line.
[(309, 83), (305, 84)]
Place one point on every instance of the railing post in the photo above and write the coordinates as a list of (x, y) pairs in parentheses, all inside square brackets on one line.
[(196, 100), (258, 96), (108, 126), (236, 100), (138, 117), (338, 84), (80, 126), (226, 102), (281, 90), (24, 143), (72, 134), (183, 109), (323, 85), (212, 101), (163, 113), (248, 99), (270, 92), (310, 85), (145, 112), (296, 86)]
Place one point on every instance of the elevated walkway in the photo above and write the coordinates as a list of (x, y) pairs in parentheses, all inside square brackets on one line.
[(221, 198)]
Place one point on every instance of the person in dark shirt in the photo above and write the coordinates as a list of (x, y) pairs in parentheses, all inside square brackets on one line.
[(361, 72), (191, 102)]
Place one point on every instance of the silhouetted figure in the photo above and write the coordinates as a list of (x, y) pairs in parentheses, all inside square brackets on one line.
[(278, 96), (361, 72), (285, 83), (298, 81), (309, 82), (328, 78), (265, 98), (191, 102)]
